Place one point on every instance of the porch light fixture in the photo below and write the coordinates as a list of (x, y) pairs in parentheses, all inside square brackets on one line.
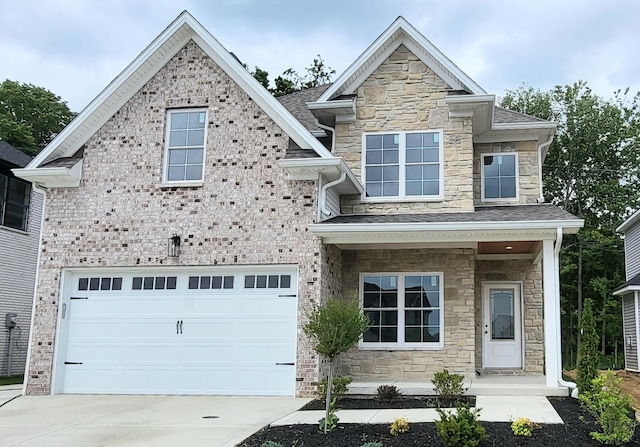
[(174, 246)]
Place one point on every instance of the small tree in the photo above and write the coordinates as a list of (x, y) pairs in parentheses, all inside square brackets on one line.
[(588, 357), (334, 328)]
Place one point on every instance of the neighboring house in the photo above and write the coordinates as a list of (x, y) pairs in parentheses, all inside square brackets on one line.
[(20, 219), (630, 291), (193, 220)]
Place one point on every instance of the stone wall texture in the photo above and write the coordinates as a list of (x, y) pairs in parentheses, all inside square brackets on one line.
[(246, 211), (528, 173), (458, 354), (404, 94), (530, 275)]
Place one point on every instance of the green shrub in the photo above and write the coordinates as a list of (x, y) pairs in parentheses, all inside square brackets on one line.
[(589, 354), (460, 428), (372, 444), (271, 444), (387, 393), (399, 425), (611, 409), (448, 386), (339, 389), (523, 427), (330, 421)]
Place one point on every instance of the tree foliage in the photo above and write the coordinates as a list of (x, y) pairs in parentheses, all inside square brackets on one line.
[(318, 73), (588, 360), (30, 116), (591, 170)]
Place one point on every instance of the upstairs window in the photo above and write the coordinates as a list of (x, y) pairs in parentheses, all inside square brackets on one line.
[(403, 165), (499, 176), (186, 134), (15, 195)]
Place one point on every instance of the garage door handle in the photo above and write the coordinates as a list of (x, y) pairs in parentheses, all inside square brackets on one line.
[(285, 364), (180, 326), (177, 326), (73, 363)]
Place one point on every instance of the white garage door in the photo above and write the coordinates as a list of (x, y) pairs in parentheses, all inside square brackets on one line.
[(178, 332)]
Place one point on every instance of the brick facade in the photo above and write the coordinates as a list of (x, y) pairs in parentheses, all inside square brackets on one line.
[(246, 211)]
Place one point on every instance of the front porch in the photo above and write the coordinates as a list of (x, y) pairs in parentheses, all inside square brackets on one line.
[(492, 385)]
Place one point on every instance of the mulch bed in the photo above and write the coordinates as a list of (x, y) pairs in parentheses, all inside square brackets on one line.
[(573, 432), (372, 403)]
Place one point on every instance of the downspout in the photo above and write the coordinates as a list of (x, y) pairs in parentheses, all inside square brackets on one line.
[(573, 388), (343, 176), (35, 292), (544, 145)]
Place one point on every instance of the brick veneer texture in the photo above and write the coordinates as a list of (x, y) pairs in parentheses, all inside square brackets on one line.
[(404, 94), (246, 211)]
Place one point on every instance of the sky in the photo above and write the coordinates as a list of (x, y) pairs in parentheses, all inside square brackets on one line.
[(74, 48)]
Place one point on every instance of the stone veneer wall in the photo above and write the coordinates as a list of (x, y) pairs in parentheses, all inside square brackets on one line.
[(245, 212), (528, 181), (404, 94), (458, 354), (531, 277)]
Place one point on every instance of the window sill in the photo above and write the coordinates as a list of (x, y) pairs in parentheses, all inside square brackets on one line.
[(417, 347), (509, 200), (408, 199), (14, 230), (167, 185)]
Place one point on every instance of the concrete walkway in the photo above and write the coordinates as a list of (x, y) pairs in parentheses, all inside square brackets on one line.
[(141, 421), (493, 409)]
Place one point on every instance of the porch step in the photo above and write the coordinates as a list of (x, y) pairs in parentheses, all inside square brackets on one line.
[(480, 386)]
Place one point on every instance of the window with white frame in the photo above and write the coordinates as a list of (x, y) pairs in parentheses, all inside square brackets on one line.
[(15, 196), (405, 310), (186, 135), (403, 165), (499, 176)]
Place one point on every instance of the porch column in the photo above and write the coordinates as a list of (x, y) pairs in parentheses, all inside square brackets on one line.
[(550, 276)]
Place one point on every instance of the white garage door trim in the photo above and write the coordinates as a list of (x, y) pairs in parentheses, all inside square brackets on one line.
[(260, 309)]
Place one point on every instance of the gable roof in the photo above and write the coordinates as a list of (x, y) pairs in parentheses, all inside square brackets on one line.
[(12, 156), (400, 32), (296, 103), (632, 220), (183, 29)]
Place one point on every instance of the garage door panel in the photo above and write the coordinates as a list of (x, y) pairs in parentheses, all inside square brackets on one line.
[(180, 340)]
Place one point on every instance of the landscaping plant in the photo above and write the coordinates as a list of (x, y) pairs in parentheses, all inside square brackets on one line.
[(589, 355), (399, 425), (331, 419), (460, 428), (388, 393), (334, 328), (448, 386), (339, 389), (271, 444), (611, 408), (523, 427), (372, 444)]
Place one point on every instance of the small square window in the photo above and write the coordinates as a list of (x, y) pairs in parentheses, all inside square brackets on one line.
[(205, 282), (216, 282), (137, 283), (148, 283), (228, 282), (117, 284), (171, 282), (249, 282), (83, 284), (105, 284), (261, 282), (159, 285), (94, 284), (193, 282), (285, 281)]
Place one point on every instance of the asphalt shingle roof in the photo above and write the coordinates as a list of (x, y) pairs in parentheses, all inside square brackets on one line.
[(296, 103), (517, 213), (635, 281), (13, 156), (504, 116)]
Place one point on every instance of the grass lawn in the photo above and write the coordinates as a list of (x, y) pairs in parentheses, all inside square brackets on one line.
[(11, 380)]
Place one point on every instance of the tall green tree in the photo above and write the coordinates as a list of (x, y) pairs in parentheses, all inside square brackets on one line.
[(591, 170), (588, 357), (30, 116)]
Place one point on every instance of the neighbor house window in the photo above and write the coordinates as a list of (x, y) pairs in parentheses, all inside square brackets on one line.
[(403, 165), (499, 176), (15, 195), (186, 134), (404, 310)]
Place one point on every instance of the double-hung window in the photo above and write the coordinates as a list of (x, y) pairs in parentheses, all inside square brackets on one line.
[(499, 176), (15, 196), (405, 310), (403, 165), (186, 136)]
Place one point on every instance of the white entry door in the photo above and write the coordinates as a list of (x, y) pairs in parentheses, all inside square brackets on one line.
[(502, 326)]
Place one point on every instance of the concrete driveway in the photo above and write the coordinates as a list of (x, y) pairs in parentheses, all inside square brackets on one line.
[(100, 420)]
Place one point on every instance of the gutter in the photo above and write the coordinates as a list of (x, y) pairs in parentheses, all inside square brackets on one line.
[(343, 176), (556, 256), (541, 147)]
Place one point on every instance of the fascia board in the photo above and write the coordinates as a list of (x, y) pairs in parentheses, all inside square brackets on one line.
[(329, 228), (52, 177), (627, 223), (470, 99), (400, 25), (533, 125), (322, 166), (335, 104), (625, 290)]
